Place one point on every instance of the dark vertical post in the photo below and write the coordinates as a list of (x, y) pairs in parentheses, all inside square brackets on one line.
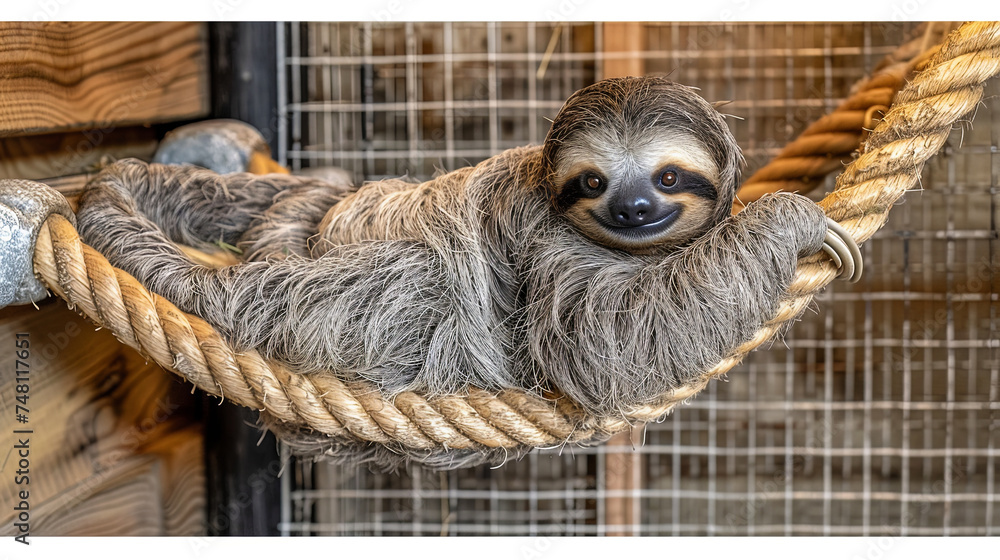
[(245, 74), (243, 488)]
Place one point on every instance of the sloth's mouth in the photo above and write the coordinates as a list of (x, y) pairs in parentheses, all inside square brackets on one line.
[(643, 231)]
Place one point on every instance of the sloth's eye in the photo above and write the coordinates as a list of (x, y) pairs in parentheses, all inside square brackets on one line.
[(668, 179), (593, 185)]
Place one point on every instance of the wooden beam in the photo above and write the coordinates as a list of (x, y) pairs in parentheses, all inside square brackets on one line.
[(99, 76), (56, 155), (623, 470), (244, 75), (621, 41)]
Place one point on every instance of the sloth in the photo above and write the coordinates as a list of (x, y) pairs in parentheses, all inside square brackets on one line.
[(603, 264)]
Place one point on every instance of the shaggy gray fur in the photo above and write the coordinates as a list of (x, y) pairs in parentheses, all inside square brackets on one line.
[(471, 278)]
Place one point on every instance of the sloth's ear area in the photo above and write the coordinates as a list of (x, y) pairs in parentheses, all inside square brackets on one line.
[(551, 193), (549, 176), (551, 189)]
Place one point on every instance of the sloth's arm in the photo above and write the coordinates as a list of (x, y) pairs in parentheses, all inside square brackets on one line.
[(380, 210), (613, 332)]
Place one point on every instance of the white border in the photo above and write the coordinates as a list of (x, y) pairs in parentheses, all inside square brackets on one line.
[(506, 10), (505, 548)]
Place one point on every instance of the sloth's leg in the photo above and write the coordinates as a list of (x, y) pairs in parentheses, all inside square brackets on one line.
[(132, 222), (380, 310), (198, 207), (614, 332), (386, 311)]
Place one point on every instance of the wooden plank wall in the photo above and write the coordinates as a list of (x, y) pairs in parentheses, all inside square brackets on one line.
[(89, 76), (103, 83), (101, 419), (116, 446)]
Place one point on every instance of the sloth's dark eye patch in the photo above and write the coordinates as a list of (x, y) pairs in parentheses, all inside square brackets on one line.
[(675, 180), (584, 185)]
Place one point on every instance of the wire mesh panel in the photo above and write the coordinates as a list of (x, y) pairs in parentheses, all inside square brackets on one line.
[(385, 100), (876, 414)]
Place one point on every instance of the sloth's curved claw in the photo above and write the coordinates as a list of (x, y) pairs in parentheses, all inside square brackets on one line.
[(24, 206), (844, 252)]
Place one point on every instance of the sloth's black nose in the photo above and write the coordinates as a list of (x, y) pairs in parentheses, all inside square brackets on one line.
[(631, 213)]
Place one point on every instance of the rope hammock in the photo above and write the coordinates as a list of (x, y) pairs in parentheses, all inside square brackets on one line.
[(949, 86)]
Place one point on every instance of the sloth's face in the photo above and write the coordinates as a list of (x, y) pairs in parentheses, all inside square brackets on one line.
[(657, 188)]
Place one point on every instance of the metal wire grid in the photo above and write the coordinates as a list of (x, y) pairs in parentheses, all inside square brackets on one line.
[(876, 415), (390, 100)]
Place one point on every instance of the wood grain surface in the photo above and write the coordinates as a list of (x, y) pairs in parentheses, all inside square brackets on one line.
[(100, 76), (114, 448)]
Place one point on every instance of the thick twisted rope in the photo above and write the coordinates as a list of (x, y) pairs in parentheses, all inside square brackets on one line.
[(190, 347), (913, 130), (825, 144)]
